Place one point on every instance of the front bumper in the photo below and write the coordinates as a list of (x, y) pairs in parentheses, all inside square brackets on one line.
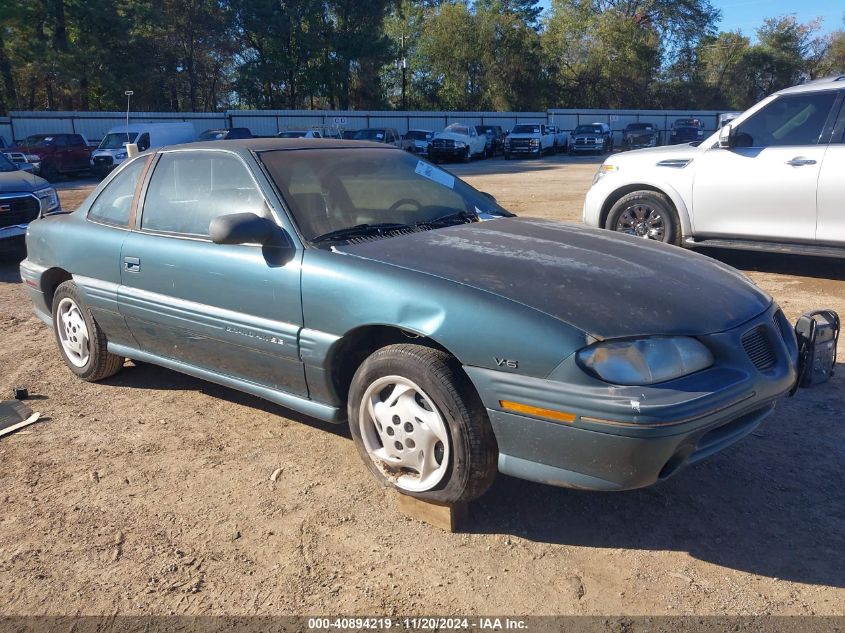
[(630, 437), (16, 230), (523, 150), (586, 147), (446, 153)]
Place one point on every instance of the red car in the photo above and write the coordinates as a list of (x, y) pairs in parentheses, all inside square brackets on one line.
[(57, 153)]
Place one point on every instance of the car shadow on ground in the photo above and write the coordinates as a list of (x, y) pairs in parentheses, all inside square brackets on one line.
[(801, 265), (771, 505), (148, 376)]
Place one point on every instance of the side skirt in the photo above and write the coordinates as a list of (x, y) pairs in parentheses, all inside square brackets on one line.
[(324, 412)]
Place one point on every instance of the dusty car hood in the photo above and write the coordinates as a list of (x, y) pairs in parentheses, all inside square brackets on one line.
[(603, 283), (20, 180)]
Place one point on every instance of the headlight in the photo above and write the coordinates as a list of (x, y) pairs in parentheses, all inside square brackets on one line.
[(33, 158), (507, 142), (460, 144), (120, 155), (49, 199), (603, 171), (645, 361), (700, 132), (535, 141)]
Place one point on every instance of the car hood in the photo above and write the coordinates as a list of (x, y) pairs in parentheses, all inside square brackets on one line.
[(607, 285), (13, 181), (656, 154), (452, 137)]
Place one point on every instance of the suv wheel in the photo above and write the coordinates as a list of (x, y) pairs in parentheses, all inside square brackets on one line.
[(419, 426), (646, 214)]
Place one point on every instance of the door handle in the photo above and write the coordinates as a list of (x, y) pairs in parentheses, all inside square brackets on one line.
[(132, 264), (800, 162)]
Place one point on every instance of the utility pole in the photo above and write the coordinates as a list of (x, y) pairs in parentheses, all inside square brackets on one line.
[(128, 94), (404, 63)]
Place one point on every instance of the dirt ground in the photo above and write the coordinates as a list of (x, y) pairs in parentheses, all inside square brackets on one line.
[(150, 493)]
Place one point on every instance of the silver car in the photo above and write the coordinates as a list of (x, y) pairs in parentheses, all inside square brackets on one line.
[(769, 180)]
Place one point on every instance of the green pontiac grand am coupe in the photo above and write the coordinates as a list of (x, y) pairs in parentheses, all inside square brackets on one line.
[(354, 282)]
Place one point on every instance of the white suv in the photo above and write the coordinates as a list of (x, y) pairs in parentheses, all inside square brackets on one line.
[(771, 179)]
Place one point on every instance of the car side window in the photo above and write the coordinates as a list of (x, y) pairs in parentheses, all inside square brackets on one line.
[(189, 189), (61, 141), (114, 203), (76, 140), (791, 120), (143, 142)]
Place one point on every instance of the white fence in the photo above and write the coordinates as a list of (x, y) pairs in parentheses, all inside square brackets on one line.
[(94, 125)]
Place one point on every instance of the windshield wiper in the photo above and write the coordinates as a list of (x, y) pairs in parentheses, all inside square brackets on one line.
[(450, 218), (359, 230)]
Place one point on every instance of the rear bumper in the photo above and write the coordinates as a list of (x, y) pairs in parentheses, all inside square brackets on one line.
[(31, 276), (623, 438)]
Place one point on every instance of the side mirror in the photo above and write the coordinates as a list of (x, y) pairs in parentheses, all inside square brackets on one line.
[(247, 228), (488, 195), (726, 136)]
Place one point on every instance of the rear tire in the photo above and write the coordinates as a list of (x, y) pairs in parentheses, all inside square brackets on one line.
[(420, 427), (82, 344), (647, 214), (49, 173)]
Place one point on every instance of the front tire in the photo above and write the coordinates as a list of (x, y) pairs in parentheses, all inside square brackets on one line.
[(647, 214), (420, 427), (82, 344)]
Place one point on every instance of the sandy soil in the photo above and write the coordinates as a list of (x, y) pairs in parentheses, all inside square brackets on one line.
[(150, 493)]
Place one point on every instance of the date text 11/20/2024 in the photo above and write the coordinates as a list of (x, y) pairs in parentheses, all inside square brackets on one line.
[(417, 624)]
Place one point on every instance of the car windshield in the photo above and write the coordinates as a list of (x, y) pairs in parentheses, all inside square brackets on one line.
[(525, 129), (330, 190), (588, 129), (457, 128), (212, 135), (39, 140), (419, 135), (292, 134), (639, 127), (369, 135), (6, 164), (116, 140), (687, 123)]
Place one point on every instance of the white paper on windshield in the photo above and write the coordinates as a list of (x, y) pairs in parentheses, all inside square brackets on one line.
[(437, 175), (379, 136)]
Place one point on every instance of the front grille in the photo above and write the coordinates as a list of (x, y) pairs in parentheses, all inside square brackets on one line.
[(586, 141), (103, 161), (758, 346), (443, 143), (20, 209), (521, 143)]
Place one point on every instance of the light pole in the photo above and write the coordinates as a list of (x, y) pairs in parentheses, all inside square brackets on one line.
[(404, 69), (128, 94)]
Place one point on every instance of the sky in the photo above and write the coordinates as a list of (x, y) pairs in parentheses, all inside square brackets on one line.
[(748, 15)]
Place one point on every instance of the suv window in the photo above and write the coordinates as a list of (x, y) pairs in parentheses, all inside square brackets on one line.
[(61, 140), (189, 189), (790, 120), (114, 203), (76, 140)]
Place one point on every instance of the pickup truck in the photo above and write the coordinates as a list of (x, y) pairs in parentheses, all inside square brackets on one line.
[(57, 154), (529, 139), (387, 135)]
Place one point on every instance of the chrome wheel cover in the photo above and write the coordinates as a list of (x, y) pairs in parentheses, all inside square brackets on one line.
[(642, 220), (73, 332), (404, 434)]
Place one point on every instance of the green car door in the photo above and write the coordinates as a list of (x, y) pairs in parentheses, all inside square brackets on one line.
[(223, 308)]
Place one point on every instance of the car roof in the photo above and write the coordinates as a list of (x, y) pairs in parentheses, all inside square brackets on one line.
[(836, 82), (247, 145)]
